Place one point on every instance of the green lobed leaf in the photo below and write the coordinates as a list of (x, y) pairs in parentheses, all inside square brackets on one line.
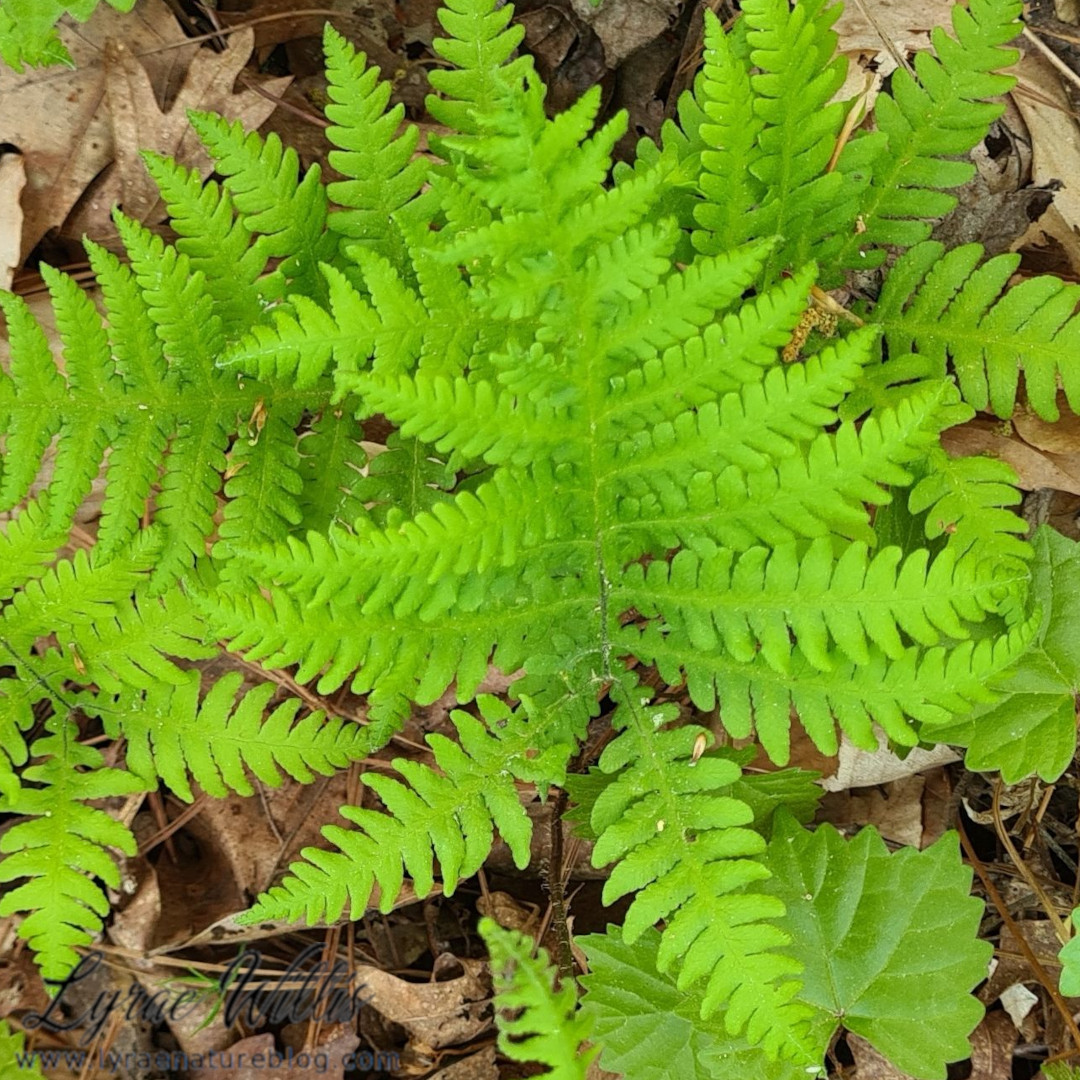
[(889, 942), (649, 1029), (1033, 729)]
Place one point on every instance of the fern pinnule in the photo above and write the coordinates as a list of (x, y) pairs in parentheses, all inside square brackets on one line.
[(537, 1022)]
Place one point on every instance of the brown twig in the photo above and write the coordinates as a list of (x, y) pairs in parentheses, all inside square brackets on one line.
[(1029, 954)]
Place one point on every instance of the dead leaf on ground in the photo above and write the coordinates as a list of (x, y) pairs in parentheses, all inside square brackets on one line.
[(864, 768), (12, 182), (896, 812), (479, 1066), (992, 1046), (1055, 141), (257, 1048), (138, 123), (624, 26), (1034, 468), (57, 116), (435, 1014)]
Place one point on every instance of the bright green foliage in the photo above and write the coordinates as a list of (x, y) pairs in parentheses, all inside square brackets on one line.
[(537, 1022), (169, 734), (688, 854), (62, 841), (1032, 729), (450, 814), (1070, 961), (948, 308), (12, 1045), (28, 29), (612, 460), (870, 926), (649, 1029)]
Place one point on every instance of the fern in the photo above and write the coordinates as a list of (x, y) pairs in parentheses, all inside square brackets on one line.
[(616, 461), (62, 839), (543, 1028)]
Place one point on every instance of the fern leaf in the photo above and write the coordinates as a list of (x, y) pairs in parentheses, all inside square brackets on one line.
[(215, 240), (406, 477), (925, 123), (171, 735), (60, 850), (285, 211), (689, 856), (951, 310), (536, 1021), (450, 815), (303, 338), (383, 172), (479, 48), (754, 602), (928, 688)]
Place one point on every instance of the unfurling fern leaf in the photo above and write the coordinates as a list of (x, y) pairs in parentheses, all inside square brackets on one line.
[(537, 1022)]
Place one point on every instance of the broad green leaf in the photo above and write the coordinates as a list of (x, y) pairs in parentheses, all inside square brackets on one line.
[(1033, 730), (648, 1029), (889, 942), (1070, 961)]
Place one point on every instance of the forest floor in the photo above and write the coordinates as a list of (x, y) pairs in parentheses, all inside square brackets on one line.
[(68, 154)]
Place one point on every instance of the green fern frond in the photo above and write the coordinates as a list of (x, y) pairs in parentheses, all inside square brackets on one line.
[(690, 857), (215, 240), (450, 815), (171, 735), (957, 313), (923, 124), (383, 172), (536, 1021), (479, 49), (287, 213), (61, 849)]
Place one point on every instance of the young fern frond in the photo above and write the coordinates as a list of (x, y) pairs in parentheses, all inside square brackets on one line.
[(60, 850), (537, 1022)]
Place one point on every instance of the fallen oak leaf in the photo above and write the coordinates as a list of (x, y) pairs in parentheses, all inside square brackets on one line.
[(138, 122)]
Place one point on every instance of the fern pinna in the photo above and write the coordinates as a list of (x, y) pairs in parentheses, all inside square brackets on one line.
[(614, 465)]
